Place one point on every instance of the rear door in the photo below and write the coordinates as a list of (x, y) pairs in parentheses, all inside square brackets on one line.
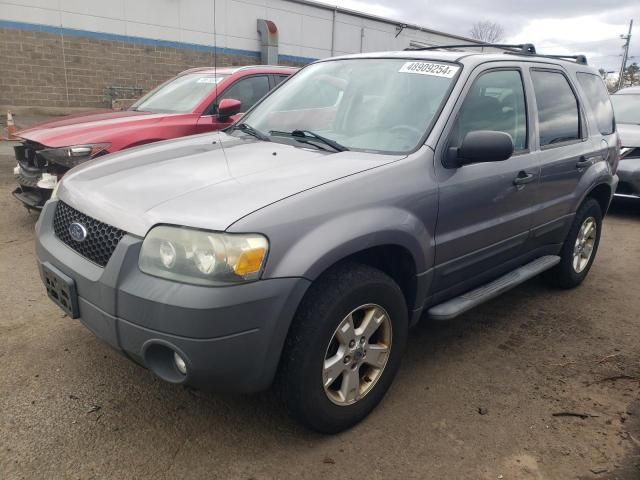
[(565, 151), (485, 209)]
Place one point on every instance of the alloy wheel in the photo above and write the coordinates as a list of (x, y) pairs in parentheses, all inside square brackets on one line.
[(357, 354), (585, 242)]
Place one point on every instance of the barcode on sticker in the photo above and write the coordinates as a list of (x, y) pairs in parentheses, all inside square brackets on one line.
[(430, 68)]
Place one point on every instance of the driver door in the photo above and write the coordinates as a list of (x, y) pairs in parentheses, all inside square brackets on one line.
[(485, 209), (248, 90)]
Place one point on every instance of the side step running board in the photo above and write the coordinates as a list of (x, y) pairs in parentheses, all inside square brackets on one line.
[(458, 305)]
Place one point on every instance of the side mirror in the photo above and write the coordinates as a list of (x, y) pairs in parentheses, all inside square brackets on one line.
[(227, 108), (481, 146)]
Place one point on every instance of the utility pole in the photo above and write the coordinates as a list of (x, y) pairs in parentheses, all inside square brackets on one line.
[(625, 55)]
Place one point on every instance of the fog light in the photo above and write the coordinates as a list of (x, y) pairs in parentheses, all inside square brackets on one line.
[(180, 363)]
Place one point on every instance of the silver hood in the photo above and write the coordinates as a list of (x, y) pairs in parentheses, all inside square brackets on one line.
[(205, 181)]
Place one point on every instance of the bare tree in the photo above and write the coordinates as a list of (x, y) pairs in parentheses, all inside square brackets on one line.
[(486, 31)]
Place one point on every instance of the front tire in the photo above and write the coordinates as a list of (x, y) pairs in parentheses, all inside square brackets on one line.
[(580, 248), (344, 347)]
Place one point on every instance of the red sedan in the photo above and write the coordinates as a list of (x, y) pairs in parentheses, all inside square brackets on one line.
[(185, 105)]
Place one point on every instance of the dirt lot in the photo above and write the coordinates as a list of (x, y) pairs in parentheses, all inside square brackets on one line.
[(72, 408)]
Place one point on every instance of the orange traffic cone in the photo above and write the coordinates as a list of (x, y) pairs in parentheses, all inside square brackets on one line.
[(11, 127)]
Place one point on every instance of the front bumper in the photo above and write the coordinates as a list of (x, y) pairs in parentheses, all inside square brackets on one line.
[(28, 192), (629, 175), (230, 337)]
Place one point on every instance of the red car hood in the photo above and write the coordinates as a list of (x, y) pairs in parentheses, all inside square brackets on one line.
[(93, 127)]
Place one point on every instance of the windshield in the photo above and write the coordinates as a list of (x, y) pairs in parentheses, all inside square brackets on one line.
[(179, 95), (382, 105), (626, 108)]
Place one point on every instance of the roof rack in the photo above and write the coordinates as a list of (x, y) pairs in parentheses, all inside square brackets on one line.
[(510, 49), (522, 48), (581, 59)]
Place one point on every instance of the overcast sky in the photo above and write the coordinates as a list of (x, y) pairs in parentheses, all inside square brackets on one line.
[(591, 27)]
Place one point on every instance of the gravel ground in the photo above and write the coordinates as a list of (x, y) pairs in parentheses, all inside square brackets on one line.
[(475, 398)]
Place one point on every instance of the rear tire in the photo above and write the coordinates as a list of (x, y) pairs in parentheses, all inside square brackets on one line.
[(327, 378), (580, 247)]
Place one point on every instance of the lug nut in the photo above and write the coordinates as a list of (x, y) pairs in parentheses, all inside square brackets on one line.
[(362, 340), (352, 343), (347, 359)]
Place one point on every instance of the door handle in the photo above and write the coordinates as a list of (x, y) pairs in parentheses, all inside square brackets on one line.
[(584, 162), (523, 178)]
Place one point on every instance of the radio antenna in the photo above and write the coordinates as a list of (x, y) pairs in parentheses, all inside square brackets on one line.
[(215, 52), (215, 77)]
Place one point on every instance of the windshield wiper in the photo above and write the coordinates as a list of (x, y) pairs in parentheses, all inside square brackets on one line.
[(306, 136), (249, 130)]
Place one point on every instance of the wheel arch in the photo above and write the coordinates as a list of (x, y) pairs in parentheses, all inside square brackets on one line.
[(390, 239), (394, 260), (602, 193)]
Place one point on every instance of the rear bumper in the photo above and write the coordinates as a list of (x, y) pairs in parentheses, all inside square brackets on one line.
[(629, 175), (230, 338)]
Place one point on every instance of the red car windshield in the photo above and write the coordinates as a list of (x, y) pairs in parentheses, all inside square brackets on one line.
[(179, 95)]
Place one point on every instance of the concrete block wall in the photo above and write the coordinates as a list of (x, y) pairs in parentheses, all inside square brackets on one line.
[(66, 53)]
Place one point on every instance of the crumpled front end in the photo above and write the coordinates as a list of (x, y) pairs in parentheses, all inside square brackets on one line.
[(36, 179), (39, 169)]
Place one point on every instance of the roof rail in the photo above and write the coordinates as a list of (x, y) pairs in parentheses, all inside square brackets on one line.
[(522, 48), (581, 59), (510, 49)]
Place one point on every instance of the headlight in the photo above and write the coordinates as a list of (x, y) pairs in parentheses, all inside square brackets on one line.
[(204, 258), (72, 156)]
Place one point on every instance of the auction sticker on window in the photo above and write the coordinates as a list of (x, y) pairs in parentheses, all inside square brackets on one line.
[(209, 79), (430, 68)]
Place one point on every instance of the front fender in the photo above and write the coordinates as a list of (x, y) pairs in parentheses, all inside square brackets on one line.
[(339, 237), (395, 204)]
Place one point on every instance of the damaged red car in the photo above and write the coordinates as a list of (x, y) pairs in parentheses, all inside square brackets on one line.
[(198, 100)]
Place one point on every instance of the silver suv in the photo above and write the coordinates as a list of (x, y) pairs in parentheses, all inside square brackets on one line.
[(363, 194)]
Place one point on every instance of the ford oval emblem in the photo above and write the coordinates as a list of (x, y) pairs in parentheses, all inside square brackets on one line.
[(78, 232)]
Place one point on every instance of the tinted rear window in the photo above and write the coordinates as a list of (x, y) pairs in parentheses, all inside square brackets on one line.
[(598, 100), (558, 115)]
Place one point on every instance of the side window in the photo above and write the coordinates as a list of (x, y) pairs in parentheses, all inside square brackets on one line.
[(558, 114), (495, 101), (248, 90), (280, 78), (598, 100)]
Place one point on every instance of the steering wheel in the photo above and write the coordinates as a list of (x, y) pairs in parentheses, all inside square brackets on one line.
[(409, 128)]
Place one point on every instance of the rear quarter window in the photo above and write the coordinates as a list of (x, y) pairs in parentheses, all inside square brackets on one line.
[(598, 101), (558, 112)]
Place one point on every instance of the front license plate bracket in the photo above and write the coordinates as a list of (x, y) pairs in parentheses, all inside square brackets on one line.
[(61, 290)]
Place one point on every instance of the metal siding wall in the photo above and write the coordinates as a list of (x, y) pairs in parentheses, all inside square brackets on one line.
[(72, 52), (305, 30)]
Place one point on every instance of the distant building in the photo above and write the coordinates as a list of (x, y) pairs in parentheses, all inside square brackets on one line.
[(84, 53)]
